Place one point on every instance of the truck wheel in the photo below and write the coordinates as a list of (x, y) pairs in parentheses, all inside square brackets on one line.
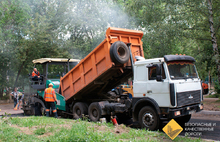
[(39, 109), (94, 112), (182, 120), (148, 118), (123, 118), (79, 109), (186, 118), (119, 52)]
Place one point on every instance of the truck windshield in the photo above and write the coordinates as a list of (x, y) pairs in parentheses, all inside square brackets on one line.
[(182, 70)]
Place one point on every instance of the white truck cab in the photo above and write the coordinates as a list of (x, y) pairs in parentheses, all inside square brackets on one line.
[(165, 88)]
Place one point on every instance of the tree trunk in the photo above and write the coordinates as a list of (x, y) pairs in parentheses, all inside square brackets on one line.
[(8, 91), (214, 39), (1, 93), (19, 71)]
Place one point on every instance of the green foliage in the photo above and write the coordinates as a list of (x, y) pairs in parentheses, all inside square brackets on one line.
[(45, 29), (40, 131), (13, 17), (177, 27), (213, 96), (71, 29), (217, 89)]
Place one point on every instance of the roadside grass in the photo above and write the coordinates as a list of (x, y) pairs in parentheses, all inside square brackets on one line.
[(52, 130), (40, 131)]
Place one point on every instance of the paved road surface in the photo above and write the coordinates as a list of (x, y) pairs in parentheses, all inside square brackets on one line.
[(204, 124), (9, 109), (203, 127)]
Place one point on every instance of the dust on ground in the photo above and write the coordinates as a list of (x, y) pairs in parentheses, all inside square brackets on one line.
[(211, 104), (31, 130), (117, 129), (25, 130)]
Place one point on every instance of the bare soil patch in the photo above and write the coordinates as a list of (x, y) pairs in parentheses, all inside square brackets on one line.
[(117, 129), (45, 135), (24, 130), (30, 130), (121, 129), (211, 104)]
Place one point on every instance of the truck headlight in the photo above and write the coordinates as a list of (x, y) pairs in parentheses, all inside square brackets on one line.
[(201, 106), (176, 113)]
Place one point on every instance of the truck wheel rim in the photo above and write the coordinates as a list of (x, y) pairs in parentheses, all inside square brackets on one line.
[(78, 112), (95, 113), (148, 119), (121, 52)]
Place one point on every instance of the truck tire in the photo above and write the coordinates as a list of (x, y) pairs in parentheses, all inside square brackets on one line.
[(123, 118), (80, 110), (186, 118), (119, 53), (148, 118), (182, 120), (94, 112), (39, 109)]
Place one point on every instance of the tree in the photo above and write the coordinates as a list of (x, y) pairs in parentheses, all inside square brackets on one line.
[(12, 19), (41, 40), (214, 39), (179, 27)]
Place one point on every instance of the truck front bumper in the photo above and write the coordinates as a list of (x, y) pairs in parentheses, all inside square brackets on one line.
[(169, 113)]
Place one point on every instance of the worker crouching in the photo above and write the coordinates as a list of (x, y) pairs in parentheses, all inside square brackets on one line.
[(50, 98)]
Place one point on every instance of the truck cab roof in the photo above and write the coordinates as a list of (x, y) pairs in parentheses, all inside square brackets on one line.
[(45, 60), (166, 58), (149, 61)]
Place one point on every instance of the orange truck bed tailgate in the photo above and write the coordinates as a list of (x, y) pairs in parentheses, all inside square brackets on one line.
[(97, 74)]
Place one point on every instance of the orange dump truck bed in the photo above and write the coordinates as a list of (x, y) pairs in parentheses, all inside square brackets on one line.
[(104, 68)]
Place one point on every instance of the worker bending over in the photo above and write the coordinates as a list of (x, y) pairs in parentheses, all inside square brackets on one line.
[(50, 98)]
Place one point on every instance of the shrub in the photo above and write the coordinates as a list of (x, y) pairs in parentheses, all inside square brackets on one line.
[(217, 87)]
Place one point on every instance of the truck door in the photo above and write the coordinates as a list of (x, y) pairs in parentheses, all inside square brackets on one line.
[(158, 90)]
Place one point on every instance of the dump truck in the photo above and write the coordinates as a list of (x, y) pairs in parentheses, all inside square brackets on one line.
[(163, 88)]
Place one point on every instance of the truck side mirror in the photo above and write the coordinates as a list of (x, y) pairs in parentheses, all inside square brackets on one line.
[(159, 72)]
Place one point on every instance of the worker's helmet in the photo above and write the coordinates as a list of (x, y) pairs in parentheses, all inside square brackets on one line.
[(51, 84)]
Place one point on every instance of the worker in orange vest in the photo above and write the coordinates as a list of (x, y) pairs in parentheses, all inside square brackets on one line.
[(36, 75), (50, 98)]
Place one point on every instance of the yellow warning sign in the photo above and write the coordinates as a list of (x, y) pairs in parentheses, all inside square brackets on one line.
[(172, 129)]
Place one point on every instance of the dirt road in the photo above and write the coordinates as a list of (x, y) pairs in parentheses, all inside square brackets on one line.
[(9, 109)]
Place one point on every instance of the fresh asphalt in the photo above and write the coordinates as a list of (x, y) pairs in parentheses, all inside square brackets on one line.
[(202, 128)]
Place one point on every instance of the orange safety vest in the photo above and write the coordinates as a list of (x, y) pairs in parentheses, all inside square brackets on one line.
[(48, 95), (205, 86), (35, 73)]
